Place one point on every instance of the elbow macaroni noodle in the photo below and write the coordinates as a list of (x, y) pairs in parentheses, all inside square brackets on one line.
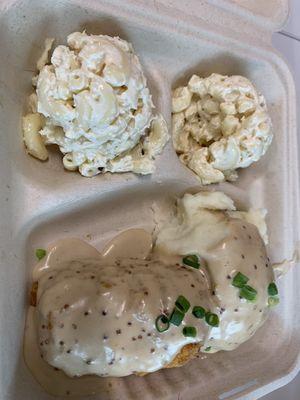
[(96, 106), (220, 123)]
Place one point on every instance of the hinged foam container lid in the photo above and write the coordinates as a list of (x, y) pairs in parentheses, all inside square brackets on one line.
[(244, 20), (270, 13)]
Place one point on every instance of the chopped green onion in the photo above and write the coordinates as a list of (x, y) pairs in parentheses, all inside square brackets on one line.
[(240, 280), (272, 289), (211, 319), (198, 312), (176, 317), (162, 323), (191, 260), (273, 301), (182, 304), (40, 253), (248, 292), (189, 331), (207, 348)]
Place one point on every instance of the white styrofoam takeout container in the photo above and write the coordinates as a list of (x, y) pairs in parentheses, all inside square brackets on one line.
[(40, 202)]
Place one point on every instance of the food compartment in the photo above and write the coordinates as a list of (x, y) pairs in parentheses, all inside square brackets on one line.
[(48, 202)]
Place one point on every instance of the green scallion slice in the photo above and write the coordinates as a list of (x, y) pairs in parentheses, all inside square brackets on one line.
[(272, 289), (40, 253), (182, 304), (176, 317), (198, 312), (273, 301), (240, 280), (248, 292), (212, 319), (162, 323), (189, 331), (191, 260), (207, 348)]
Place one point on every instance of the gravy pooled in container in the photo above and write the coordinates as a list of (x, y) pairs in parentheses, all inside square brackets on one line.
[(203, 288)]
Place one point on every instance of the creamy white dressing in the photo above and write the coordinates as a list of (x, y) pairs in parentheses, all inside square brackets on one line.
[(55, 381), (227, 244), (96, 312)]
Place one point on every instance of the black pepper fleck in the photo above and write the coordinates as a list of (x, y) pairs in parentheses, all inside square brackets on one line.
[(74, 326), (192, 285), (69, 351), (255, 266), (267, 265), (152, 350), (56, 369), (129, 323), (86, 313), (140, 337), (93, 277), (149, 334), (243, 257), (61, 342), (133, 338), (143, 330), (228, 277), (118, 331), (68, 392), (104, 312), (89, 362), (213, 293), (105, 337), (146, 293), (236, 310), (50, 277)]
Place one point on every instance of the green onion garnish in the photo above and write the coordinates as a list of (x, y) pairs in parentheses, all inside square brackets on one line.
[(182, 304), (198, 312), (162, 323), (240, 280), (207, 348), (272, 289), (273, 301), (176, 317), (191, 260), (189, 331), (211, 319), (248, 292), (40, 253)]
